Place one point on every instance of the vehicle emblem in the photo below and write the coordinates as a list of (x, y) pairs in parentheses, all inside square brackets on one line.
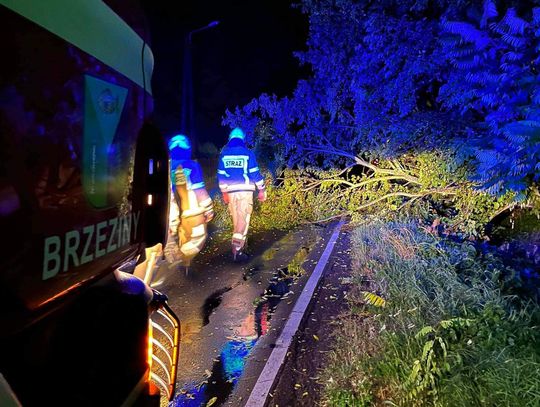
[(108, 103)]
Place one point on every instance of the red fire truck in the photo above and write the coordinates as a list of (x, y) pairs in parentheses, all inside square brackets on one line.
[(83, 196)]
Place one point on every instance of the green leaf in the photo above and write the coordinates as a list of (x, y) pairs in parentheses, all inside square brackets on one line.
[(424, 331), (428, 347), (374, 299)]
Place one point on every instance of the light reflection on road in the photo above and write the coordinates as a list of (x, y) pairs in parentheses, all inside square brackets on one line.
[(230, 364)]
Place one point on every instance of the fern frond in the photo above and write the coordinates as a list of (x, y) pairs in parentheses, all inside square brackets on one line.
[(443, 346), (514, 41), (464, 51), (456, 323), (515, 24), (519, 170), (481, 78), (489, 99), (428, 348), (468, 63), (515, 138), (521, 131), (468, 32), (488, 158), (512, 56), (424, 332), (490, 11)]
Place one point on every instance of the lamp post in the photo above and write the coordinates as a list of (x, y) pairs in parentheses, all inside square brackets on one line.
[(187, 124)]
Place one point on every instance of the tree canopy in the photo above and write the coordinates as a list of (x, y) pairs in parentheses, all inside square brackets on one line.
[(391, 77)]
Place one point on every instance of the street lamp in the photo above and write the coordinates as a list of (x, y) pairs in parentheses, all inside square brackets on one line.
[(187, 125), (210, 25)]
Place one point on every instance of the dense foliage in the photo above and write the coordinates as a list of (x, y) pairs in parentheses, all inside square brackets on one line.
[(394, 77), (431, 324), (496, 76)]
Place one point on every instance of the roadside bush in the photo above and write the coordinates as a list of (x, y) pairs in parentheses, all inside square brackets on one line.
[(434, 328)]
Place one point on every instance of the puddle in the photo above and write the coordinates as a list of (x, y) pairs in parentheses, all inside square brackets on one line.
[(230, 364), (230, 360)]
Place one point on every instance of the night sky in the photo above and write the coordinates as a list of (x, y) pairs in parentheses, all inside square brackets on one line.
[(249, 52)]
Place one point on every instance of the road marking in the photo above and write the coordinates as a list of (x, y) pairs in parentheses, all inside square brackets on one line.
[(266, 379)]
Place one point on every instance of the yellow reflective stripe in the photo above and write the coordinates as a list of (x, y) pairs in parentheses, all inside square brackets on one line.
[(96, 29)]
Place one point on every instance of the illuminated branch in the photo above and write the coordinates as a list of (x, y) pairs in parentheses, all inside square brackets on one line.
[(401, 172), (360, 161), (413, 196), (333, 181), (366, 182), (444, 191)]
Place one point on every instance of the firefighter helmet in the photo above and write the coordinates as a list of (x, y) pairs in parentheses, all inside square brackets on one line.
[(237, 133), (179, 141)]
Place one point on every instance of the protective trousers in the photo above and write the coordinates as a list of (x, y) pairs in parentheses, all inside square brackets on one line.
[(240, 208), (192, 236), (188, 232)]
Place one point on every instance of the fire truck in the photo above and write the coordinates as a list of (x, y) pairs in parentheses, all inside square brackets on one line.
[(84, 193)]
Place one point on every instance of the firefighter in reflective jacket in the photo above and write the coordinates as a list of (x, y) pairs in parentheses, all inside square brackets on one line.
[(238, 176), (191, 206)]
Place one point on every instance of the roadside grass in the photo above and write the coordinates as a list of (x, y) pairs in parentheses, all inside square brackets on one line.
[(430, 326)]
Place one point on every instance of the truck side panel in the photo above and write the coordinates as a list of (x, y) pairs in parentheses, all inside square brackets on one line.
[(68, 131)]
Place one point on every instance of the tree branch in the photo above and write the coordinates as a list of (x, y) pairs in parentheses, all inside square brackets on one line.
[(368, 181), (336, 181), (360, 161)]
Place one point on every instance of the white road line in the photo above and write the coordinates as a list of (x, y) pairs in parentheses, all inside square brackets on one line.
[(266, 379)]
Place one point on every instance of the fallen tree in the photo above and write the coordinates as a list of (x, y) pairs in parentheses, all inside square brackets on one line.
[(412, 105)]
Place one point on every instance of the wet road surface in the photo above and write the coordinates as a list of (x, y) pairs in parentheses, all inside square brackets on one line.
[(227, 308)]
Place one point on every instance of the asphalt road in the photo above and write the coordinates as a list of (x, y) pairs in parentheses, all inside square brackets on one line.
[(230, 312)]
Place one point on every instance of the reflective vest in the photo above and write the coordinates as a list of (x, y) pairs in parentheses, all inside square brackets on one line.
[(190, 173), (238, 169)]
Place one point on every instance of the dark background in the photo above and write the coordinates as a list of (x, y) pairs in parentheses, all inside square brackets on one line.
[(249, 52)]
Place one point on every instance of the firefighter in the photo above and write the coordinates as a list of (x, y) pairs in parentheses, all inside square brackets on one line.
[(191, 206), (238, 177)]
